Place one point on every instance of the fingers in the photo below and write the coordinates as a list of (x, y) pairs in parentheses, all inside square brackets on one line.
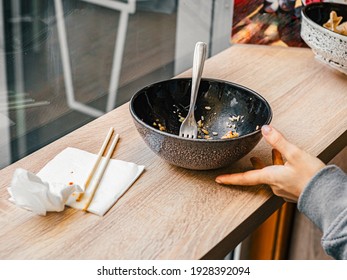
[(261, 175), (279, 142), (249, 178)]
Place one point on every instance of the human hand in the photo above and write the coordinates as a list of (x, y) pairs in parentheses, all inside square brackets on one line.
[(288, 180)]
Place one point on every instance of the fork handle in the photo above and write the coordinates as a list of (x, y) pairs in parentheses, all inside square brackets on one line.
[(198, 66)]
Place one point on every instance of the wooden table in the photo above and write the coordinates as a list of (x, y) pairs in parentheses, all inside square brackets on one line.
[(170, 212)]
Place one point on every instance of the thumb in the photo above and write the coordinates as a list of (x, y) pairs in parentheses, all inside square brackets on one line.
[(279, 142)]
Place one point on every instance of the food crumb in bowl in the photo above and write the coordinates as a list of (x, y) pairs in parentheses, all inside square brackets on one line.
[(235, 118), (200, 124), (161, 127), (230, 134), (203, 130)]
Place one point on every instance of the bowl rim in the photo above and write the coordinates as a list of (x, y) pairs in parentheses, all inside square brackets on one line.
[(268, 120), (320, 27)]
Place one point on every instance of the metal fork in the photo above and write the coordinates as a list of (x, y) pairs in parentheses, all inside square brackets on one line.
[(189, 128)]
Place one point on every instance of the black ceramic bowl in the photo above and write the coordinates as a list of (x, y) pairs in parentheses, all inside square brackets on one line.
[(222, 106)]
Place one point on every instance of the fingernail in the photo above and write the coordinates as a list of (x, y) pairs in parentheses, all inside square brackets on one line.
[(266, 129), (218, 181)]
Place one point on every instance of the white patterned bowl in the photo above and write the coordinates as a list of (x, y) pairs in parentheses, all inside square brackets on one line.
[(329, 47)]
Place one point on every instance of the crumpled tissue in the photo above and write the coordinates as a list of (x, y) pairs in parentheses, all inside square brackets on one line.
[(30, 192), (66, 174)]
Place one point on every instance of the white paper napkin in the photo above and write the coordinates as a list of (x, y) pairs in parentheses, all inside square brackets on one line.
[(72, 166)]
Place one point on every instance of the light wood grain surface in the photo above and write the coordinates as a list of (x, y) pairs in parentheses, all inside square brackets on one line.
[(170, 212)]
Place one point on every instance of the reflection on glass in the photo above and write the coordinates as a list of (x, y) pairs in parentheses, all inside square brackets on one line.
[(65, 62)]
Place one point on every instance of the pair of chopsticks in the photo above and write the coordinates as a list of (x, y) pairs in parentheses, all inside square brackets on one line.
[(103, 167)]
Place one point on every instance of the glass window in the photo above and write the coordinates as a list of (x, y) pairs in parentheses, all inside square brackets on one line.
[(63, 63)]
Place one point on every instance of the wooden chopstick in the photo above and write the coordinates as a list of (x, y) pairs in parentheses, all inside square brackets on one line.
[(284, 219), (277, 158), (271, 234), (257, 163), (96, 163), (103, 168)]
